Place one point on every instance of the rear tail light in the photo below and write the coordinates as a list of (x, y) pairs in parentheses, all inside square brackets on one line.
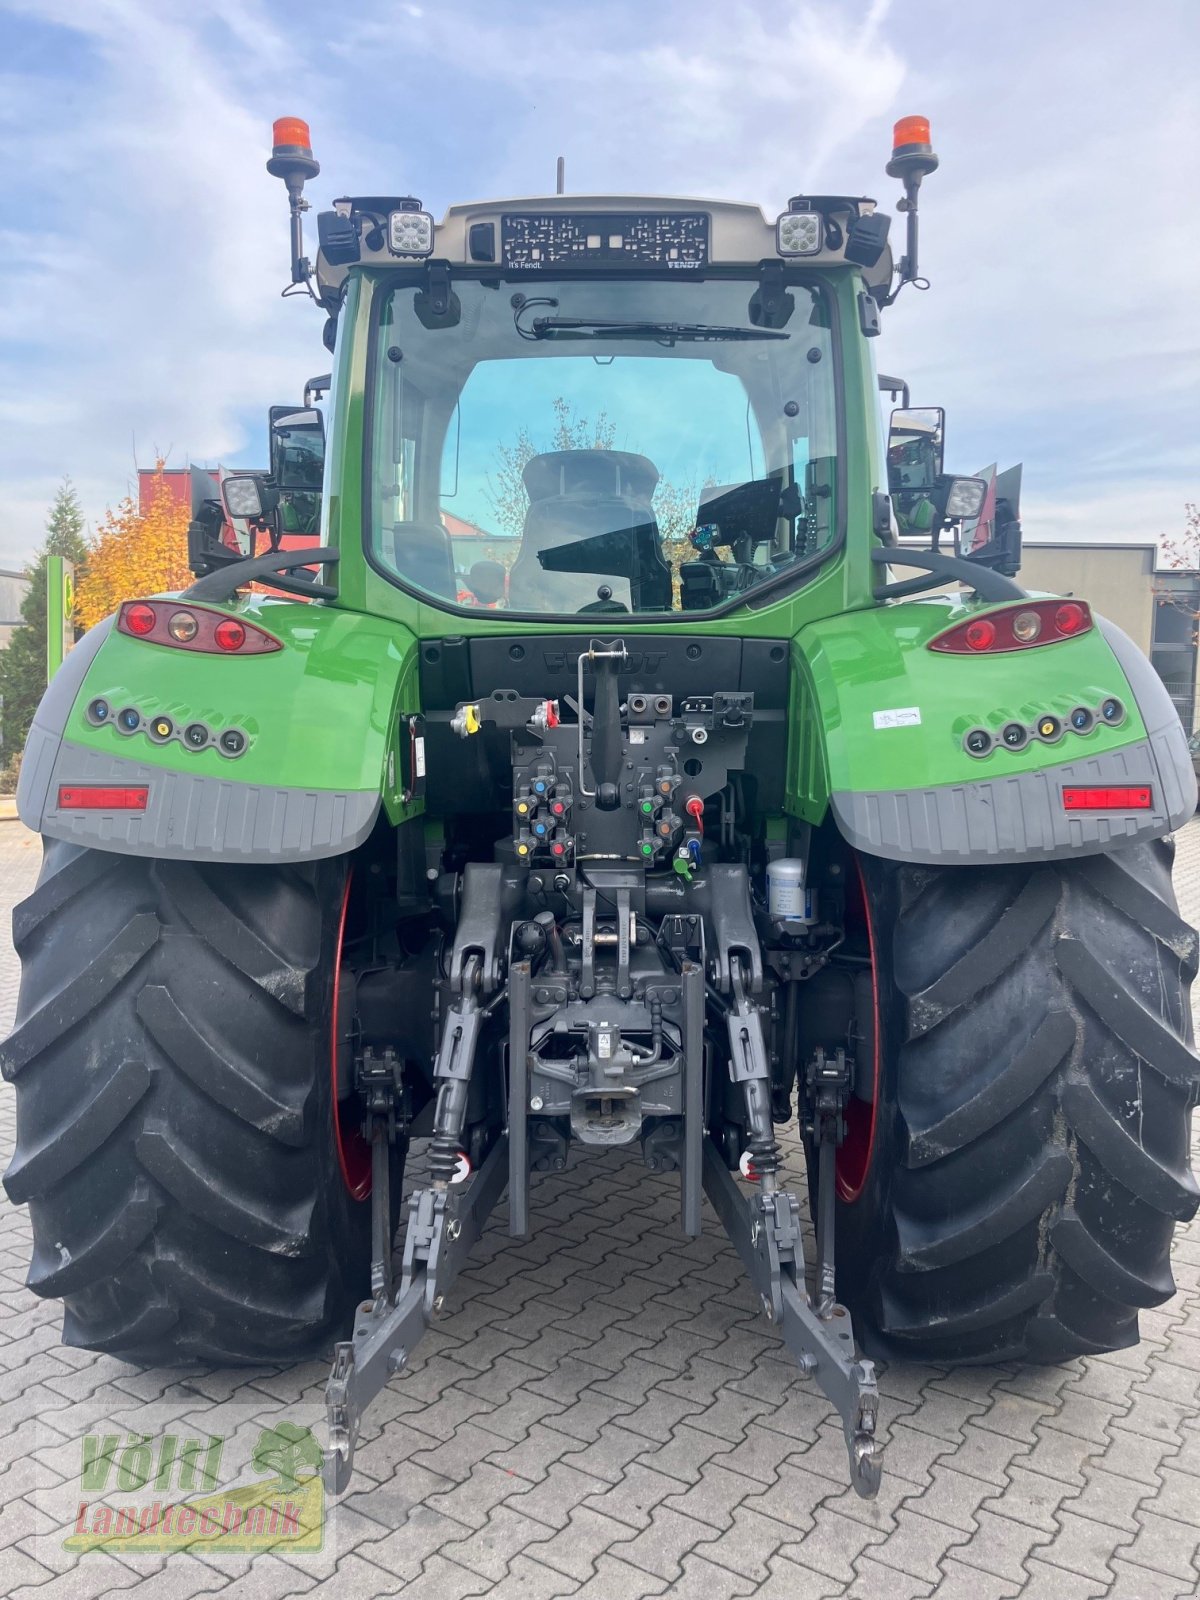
[(91, 797), (187, 627), (1127, 797), (1019, 627)]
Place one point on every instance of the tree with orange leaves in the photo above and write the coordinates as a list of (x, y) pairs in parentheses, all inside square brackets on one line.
[(134, 553)]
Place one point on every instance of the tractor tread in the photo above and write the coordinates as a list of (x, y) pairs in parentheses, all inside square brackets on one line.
[(174, 1143), (219, 1070), (1171, 1190), (1032, 1064), (78, 1135), (1035, 1109), (53, 1273), (66, 1007), (995, 1217)]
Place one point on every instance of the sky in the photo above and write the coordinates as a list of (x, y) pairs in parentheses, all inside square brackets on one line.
[(143, 246)]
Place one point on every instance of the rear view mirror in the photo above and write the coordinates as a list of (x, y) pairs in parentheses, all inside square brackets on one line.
[(297, 448), (916, 449)]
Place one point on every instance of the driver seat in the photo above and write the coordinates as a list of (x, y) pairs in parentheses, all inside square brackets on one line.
[(581, 494)]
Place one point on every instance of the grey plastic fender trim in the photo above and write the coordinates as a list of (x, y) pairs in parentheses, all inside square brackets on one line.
[(1020, 816), (189, 816)]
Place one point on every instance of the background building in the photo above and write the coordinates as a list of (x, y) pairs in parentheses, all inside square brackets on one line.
[(1158, 609), (13, 586)]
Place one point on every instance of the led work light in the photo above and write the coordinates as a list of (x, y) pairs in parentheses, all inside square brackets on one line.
[(799, 233), (410, 233)]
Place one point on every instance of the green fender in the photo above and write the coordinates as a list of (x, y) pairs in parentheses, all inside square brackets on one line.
[(326, 720), (879, 723)]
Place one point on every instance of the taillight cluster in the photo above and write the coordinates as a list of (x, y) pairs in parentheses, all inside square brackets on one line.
[(1020, 627), (186, 627)]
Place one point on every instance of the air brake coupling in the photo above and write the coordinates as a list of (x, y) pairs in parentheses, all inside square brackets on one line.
[(466, 721)]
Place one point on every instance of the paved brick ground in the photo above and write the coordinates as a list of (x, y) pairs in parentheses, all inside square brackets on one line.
[(602, 1414)]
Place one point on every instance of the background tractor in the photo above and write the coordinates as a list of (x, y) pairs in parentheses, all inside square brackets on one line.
[(595, 780)]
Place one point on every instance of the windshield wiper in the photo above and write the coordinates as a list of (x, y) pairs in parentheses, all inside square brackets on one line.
[(662, 332)]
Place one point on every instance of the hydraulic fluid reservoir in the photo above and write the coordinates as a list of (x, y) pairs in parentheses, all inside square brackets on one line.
[(789, 897)]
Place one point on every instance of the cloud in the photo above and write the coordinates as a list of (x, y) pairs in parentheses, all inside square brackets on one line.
[(144, 246), (142, 291)]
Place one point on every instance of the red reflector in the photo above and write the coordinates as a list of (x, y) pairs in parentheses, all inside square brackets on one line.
[(1131, 797), (89, 797)]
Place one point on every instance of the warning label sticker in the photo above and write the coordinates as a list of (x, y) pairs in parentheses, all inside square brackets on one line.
[(905, 717)]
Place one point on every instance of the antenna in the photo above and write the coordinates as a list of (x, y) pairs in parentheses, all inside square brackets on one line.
[(562, 176)]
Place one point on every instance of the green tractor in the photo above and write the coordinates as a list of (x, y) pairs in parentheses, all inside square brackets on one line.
[(590, 777)]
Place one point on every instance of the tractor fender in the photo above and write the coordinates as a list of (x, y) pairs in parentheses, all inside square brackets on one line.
[(321, 719), (881, 723)]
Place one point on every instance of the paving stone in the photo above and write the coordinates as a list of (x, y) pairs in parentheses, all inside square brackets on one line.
[(489, 1550), (439, 1579), (1154, 1418), (833, 1544), (532, 1457), (1165, 1545), (19, 1570), (98, 1575), (258, 1577), (1111, 1497), (527, 1579), (999, 1546), (1032, 1499), (875, 1582), (661, 1547), (918, 1545), (553, 1499), (1083, 1546), (618, 1580), (944, 1415), (953, 1497), (575, 1549), (1052, 1583), (1179, 1497), (702, 1580), (684, 1454), (961, 1582), (1138, 1583)]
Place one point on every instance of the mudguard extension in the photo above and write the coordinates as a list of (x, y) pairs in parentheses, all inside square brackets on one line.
[(877, 710), (320, 717)]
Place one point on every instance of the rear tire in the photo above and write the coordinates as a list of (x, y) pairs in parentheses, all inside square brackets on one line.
[(1036, 1082), (171, 1061)]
